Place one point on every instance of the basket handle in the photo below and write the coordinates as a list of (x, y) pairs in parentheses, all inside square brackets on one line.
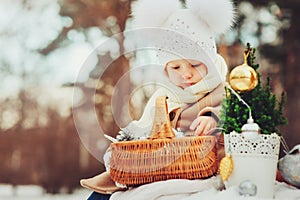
[(161, 128)]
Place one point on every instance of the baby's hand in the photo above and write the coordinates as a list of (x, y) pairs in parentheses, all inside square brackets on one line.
[(202, 124)]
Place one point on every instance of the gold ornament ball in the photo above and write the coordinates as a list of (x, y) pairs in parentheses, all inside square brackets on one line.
[(243, 78)]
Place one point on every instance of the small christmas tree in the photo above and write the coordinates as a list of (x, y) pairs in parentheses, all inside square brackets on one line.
[(267, 112)]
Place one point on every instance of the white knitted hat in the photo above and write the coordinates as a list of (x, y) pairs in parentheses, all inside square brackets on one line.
[(186, 29)]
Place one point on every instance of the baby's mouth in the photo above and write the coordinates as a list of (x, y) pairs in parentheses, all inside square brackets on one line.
[(187, 84)]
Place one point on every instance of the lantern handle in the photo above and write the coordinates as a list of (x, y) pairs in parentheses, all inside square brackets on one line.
[(241, 100)]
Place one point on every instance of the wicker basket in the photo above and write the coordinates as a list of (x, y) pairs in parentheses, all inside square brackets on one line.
[(162, 156)]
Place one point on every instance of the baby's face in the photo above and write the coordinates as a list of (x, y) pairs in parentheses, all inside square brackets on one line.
[(185, 73)]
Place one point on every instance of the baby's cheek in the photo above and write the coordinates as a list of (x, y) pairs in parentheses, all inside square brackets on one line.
[(202, 70)]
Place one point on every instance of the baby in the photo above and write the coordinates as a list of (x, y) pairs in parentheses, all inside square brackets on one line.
[(194, 113), (195, 76)]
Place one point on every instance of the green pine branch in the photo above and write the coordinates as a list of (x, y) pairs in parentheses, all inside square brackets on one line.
[(267, 111)]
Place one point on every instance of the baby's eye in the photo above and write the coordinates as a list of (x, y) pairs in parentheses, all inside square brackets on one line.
[(196, 65), (175, 67)]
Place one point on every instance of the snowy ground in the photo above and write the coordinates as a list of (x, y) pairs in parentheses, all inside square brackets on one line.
[(283, 192), (36, 193)]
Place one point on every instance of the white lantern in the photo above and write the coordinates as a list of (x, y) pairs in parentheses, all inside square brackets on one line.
[(254, 160)]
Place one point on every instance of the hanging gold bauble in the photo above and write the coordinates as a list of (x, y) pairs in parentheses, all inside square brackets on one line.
[(226, 167), (243, 78)]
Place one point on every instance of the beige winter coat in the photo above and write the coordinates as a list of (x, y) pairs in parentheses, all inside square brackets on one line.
[(208, 105)]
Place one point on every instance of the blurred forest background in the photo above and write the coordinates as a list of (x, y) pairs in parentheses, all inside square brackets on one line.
[(43, 45)]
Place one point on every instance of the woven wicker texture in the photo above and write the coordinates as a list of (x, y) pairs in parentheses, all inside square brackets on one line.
[(162, 156)]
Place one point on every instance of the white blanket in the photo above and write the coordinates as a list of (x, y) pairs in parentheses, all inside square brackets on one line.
[(196, 189)]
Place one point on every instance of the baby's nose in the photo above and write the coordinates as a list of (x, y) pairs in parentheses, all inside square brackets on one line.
[(186, 71), (187, 74)]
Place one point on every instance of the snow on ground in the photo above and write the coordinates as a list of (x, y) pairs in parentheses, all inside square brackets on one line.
[(32, 192), (282, 192)]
